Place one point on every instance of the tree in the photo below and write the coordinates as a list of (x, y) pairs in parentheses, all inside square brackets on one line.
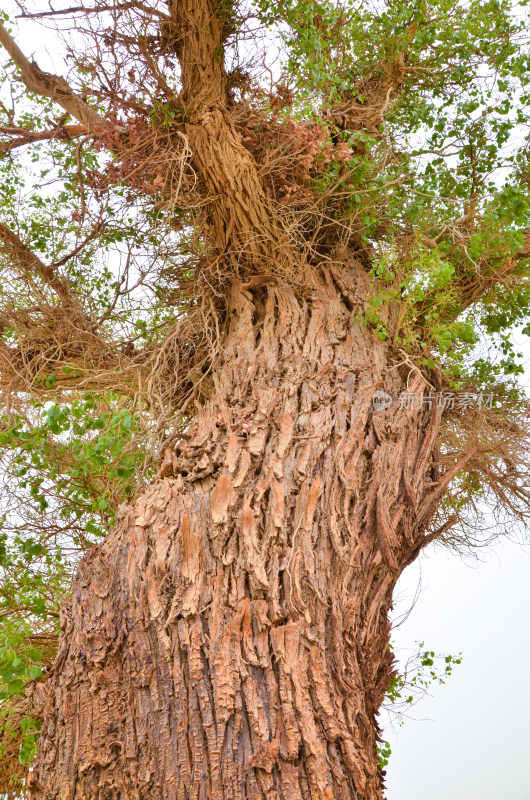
[(256, 354)]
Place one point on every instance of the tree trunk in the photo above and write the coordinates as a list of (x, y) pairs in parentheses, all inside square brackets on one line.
[(229, 639)]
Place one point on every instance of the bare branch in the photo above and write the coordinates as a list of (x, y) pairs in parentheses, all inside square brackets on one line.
[(24, 137), (51, 86), (27, 263), (95, 10), (91, 236)]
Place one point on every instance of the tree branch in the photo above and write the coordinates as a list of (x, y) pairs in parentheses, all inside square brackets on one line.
[(95, 10), (91, 236), (239, 208), (197, 37), (50, 86), (23, 137), (27, 263), (472, 287), (476, 286)]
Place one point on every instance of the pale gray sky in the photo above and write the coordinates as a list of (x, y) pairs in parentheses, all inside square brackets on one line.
[(471, 739)]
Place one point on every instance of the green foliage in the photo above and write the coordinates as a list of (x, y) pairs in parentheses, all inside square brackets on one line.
[(76, 456), (384, 751), (22, 661), (423, 671), (30, 737), (18, 663), (421, 280)]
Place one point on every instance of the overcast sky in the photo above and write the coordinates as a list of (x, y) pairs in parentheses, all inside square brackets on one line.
[(471, 739)]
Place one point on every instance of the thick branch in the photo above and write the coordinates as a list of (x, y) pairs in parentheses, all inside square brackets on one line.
[(476, 286), (239, 207), (378, 92), (472, 287), (22, 137), (198, 40), (28, 264), (51, 86)]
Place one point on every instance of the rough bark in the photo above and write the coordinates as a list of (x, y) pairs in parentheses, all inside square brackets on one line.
[(230, 637), (239, 209)]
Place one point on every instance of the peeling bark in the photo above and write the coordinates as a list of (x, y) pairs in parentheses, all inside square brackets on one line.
[(230, 637)]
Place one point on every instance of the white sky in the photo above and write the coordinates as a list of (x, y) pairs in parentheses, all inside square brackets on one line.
[(471, 739)]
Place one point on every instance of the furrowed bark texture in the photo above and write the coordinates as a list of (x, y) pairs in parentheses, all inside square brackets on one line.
[(239, 209), (229, 639)]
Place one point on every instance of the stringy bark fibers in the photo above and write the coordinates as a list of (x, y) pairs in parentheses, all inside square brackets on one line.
[(229, 639)]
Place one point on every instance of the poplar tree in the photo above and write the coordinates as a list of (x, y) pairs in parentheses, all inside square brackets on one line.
[(262, 264)]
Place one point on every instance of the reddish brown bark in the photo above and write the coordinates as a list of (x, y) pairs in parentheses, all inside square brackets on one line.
[(229, 640)]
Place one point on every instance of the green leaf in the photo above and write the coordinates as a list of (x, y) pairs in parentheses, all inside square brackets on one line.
[(15, 686)]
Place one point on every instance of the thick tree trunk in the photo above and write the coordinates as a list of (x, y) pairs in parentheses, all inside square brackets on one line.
[(230, 637)]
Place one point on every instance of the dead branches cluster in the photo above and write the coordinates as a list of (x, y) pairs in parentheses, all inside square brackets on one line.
[(491, 496)]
